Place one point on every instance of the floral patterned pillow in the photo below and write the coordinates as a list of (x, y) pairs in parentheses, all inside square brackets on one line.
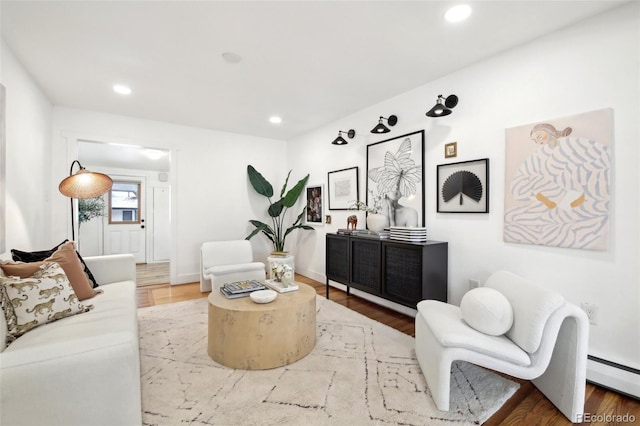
[(44, 297)]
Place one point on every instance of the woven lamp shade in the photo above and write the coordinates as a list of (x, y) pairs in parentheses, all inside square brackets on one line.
[(85, 184)]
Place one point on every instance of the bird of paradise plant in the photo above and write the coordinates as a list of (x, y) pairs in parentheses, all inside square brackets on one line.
[(276, 233)]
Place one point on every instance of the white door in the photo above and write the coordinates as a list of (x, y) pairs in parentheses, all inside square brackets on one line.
[(161, 223), (125, 230)]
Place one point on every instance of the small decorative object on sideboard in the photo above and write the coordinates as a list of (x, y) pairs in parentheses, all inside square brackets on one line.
[(352, 222), (411, 235)]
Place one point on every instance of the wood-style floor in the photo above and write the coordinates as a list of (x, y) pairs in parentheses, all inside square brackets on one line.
[(527, 407)]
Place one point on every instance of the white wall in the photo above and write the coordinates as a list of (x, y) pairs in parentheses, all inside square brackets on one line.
[(211, 195), (28, 164), (585, 67)]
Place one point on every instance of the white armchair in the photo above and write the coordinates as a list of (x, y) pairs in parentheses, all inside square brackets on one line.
[(546, 343), (227, 261)]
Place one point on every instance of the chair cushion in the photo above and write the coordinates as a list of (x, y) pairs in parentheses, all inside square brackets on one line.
[(450, 330), (487, 310), (229, 269), (532, 306)]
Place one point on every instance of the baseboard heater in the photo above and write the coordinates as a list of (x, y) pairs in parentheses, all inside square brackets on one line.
[(614, 376)]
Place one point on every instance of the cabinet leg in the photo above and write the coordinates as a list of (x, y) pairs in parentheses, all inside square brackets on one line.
[(327, 285)]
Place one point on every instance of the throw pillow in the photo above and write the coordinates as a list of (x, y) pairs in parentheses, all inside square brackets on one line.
[(487, 310), (38, 256), (66, 257), (44, 297)]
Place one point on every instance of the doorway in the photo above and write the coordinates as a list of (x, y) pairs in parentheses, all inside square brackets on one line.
[(137, 213)]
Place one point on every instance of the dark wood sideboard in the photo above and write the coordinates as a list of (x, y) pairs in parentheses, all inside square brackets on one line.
[(405, 273)]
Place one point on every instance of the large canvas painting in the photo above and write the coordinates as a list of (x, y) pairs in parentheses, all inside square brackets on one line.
[(557, 181), (395, 179)]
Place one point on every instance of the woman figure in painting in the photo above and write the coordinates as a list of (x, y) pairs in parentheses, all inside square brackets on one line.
[(565, 188), (398, 214)]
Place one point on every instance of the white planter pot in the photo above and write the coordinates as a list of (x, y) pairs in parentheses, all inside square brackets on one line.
[(376, 222)]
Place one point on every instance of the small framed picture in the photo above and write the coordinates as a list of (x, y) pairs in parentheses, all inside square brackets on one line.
[(464, 187), (451, 150), (314, 205), (343, 188)]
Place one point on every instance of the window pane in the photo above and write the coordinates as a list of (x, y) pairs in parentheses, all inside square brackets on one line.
[(124, 200)]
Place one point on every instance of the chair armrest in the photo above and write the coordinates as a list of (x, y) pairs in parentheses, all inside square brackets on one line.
[(112, 268)]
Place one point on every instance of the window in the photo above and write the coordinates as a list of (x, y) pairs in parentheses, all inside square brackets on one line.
[(124, 203)]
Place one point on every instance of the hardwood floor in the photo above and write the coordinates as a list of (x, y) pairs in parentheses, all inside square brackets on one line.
[(527, 406), (152, 273)]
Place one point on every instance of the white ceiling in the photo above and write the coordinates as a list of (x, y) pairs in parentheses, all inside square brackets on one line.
[(311, 62)]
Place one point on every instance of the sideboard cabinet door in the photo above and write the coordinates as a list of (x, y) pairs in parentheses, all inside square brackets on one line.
[(414, 272), (337, 258), (365, 265)]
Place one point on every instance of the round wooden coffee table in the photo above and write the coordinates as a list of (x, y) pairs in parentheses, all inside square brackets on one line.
[(252, 336)]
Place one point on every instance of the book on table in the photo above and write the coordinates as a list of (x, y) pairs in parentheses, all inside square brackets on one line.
[(241, 288)]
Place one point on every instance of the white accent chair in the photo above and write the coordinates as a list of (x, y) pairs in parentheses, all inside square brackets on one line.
[(547, 344), (227, 261)]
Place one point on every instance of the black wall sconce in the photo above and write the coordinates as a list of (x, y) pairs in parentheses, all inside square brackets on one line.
[(381, 128), (342, 141), (443, 106)]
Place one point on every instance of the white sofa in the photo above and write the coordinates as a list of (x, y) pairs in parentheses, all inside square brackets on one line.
[(83, 369)]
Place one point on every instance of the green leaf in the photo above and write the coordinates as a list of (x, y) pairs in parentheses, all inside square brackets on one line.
[(261, 227), (276, 208), (294, 193), (284, 187), (259, 183)]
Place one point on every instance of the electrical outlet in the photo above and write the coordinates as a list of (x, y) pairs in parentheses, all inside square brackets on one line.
[(591, 309), (473, 284)]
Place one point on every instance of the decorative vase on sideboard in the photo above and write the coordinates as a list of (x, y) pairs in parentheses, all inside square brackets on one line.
[(376, 222)]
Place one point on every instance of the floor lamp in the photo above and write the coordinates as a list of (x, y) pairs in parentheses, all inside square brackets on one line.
[(83, 184)]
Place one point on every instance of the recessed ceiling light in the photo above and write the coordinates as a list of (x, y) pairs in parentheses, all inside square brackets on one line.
[(231, 57), (275, 119), (121, 89), (458, 13)]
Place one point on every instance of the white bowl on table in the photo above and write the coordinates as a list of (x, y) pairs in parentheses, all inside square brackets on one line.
[(263, 296)]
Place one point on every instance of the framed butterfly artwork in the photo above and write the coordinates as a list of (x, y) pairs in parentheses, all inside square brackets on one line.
[(395, 179), (464, 187)]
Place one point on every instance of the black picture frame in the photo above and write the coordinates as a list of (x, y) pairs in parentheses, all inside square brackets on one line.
[(463, 187), (314, 210), (343, 188), (383, 178)]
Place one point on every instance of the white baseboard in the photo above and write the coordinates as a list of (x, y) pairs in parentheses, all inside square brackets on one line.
[(187, 279), (622, 379)]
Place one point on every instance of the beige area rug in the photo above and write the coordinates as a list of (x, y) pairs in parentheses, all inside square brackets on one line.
[(360, 372)]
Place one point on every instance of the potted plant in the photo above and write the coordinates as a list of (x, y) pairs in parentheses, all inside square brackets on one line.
[(89, 208), (277, 210)]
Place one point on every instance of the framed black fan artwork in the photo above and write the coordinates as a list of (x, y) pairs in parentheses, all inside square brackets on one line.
[(464, 187)]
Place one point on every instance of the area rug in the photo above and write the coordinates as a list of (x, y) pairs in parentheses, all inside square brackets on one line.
[(360, 372)]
